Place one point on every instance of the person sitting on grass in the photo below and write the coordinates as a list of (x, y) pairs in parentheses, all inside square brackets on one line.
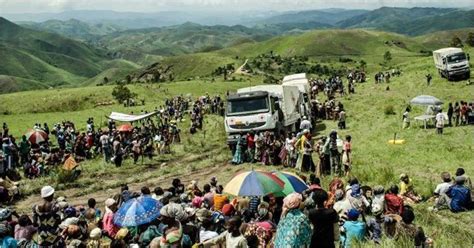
[(406, 229), (443, 187), (457, 198), (353, 229), (393, 202), (376, 225), (407, 191)]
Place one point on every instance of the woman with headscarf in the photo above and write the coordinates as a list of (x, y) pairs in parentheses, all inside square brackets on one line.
[(171, 216), (263, 228), (294, 229)]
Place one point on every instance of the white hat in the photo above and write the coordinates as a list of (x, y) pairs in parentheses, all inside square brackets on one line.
[(95, 234), (109, 202), (47, 191)]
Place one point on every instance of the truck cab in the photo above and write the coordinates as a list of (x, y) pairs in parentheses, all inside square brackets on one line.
[(452, 63), (262, 108)]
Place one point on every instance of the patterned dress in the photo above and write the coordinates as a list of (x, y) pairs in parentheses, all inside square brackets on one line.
[(48, 223), (294, 230)]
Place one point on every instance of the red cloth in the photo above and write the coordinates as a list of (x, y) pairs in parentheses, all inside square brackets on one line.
[(227, 209), (394, 204), (250, 142)]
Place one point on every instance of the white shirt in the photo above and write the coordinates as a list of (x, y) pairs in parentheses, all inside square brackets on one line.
[(439, 120), (305, 124), (442, 188), (206, 235)]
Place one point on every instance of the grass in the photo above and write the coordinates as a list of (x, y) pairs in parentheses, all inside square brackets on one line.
[(424, 155)]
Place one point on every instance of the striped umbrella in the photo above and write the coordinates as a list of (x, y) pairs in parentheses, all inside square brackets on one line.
[(36, 136), (254, 183), (293, 183), (125, 128)]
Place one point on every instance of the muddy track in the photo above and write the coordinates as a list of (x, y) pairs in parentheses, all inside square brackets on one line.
[(76, 196)]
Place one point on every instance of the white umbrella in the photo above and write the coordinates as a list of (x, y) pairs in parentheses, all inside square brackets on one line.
[(426, 100)]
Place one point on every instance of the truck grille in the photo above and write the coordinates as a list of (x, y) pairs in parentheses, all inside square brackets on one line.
[(247, 126)]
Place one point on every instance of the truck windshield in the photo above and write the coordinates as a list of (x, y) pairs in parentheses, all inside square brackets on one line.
[(247, 105), (456, 58)]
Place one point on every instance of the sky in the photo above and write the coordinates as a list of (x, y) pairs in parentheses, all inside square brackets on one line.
[(38, 6)]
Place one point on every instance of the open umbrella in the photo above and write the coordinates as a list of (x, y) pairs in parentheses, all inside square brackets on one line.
[(254, 183), (426, 100), (36, 136), (125, 128), (138, 211), (293, 183)]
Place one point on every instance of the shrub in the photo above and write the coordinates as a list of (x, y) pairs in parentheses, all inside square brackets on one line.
[(122, 93), (389, 110)]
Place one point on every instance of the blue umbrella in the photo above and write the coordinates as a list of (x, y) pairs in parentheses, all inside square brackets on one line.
[(138, 211)]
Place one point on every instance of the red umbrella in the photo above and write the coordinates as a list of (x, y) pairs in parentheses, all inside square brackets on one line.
[(36, 136), (125, 128)]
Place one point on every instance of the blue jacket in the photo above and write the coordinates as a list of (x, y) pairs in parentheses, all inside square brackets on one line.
[(460, 198), (353, 230)]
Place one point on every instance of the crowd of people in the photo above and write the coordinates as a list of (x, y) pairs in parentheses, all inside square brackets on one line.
[(145, 138), (191, 216)]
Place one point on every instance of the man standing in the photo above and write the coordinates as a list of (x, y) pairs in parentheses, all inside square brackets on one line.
[(428, 79), (306, 124), (325, 222), (439, 122), (105, 143)]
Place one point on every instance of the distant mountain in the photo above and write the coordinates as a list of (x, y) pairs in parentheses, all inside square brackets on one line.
[(138, 20), (329, 16), (138, 44), (35, 59), (413, 21), (74, 28)]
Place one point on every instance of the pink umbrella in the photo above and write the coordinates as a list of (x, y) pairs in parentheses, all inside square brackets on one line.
[(36, 136)]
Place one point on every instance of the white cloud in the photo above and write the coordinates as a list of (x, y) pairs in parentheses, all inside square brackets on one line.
[(18, 6)]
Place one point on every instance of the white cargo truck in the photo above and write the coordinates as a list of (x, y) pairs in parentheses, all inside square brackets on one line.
[(262, 108), (301, 81), (452, 63)]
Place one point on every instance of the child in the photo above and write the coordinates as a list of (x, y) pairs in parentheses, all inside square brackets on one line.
[(346, 155), (352, 229), (24, 230), (375, 225), (232, 237), (407, 191)]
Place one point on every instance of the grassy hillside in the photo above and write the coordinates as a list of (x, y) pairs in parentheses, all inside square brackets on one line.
[(319, 46), (424, 156), (181, 39), (35, 59), (414, 21), (330, 17)]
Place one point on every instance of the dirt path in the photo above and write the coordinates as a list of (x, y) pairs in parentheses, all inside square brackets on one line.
[(240, 69), (75, 196)]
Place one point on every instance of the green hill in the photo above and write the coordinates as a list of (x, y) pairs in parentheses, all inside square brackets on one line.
[(39, 59), (317, 45), (330, 17), (178, 40), (413, 21), (74, 28)]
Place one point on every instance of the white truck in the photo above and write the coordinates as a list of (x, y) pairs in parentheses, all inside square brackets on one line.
[(262, 108), (452, 62), (301, 81)]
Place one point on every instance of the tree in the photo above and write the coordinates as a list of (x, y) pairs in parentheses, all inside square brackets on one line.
[(106, 80), (387, 57), (121, 93), (456, 42), (470, 39)]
